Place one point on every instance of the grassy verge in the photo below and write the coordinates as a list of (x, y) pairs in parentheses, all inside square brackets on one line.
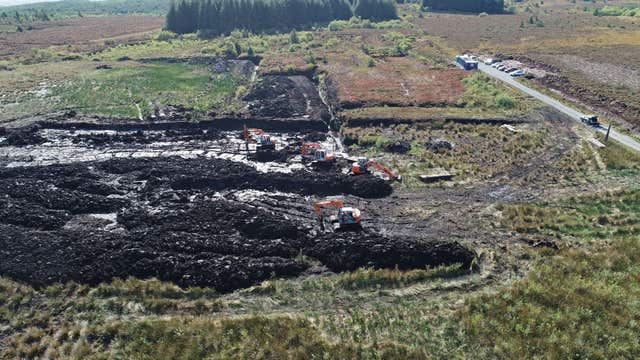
[(318, 317), (575, 305), (618, 157), (605, 216)]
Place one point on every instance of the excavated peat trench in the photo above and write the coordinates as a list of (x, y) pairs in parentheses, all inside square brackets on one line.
[(182, 205)]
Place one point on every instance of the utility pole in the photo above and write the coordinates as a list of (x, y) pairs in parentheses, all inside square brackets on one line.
[(606, 137)]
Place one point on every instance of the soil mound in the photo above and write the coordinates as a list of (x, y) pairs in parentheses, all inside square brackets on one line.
[(349, 251), (219, 174), (41, 258), (22, 137), (399, 146), (286, 97), (186, 221)]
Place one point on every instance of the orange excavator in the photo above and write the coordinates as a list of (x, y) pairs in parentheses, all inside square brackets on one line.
[(362, 167), (348, 218), (319, 154), (264, 140)]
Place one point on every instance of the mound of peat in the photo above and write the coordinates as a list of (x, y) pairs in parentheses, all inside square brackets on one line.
[(41, 258), (286, 97), (22, 137), (219, 174), (351, 250), (92, 222)]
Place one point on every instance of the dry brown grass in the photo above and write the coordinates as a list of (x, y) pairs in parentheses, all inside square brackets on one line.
[(78, 31)]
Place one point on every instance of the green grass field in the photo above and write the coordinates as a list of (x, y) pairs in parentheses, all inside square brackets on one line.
[(120, 91), (127, 90)]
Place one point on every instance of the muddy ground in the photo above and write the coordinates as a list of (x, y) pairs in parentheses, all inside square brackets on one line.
[(181, 206), (286, 97)]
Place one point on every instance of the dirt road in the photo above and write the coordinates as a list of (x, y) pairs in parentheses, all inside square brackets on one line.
[(624, 139)]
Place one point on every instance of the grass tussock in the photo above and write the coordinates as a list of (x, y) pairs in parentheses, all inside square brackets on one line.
[(483, 92), (618, 157), (394, 278), (602, 216), (573, 305)]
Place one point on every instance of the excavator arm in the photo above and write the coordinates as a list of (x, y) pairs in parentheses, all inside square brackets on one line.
[(320, 204), (248, 131), (381, 168), (306, 146)]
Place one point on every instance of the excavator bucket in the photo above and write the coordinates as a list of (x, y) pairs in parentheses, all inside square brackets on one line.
[(338, 227)]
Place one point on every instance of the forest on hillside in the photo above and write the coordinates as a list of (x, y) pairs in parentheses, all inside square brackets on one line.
[(472, 6), (222, 16)]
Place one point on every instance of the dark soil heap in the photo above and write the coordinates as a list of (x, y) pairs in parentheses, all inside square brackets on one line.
[(22, 137), (286, 97), (165, 218)]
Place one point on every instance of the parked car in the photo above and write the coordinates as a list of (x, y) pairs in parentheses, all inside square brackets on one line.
[(512, 70), (516, 73), (506, 69), (488, 61), (496, 64), (592, 120), (501, 67)]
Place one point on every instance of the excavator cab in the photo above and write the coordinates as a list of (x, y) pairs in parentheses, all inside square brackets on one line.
[(318, 154), (266, 143), (323, 155), (360, 166), (309, 148), (348, 218), (264, 140)]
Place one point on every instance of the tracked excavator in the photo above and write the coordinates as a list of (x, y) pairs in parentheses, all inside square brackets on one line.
[(264, 140), (362, 167), (348, 218), (317, 152)]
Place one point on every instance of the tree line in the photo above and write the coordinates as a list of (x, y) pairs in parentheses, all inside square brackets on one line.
[(25, 16), (473, 6), (214, 17)]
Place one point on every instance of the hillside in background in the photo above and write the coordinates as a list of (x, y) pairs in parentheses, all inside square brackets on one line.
[(86, 7)]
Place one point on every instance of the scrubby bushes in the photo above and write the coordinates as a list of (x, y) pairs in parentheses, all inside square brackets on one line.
[(481, 91), (617, 11)]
